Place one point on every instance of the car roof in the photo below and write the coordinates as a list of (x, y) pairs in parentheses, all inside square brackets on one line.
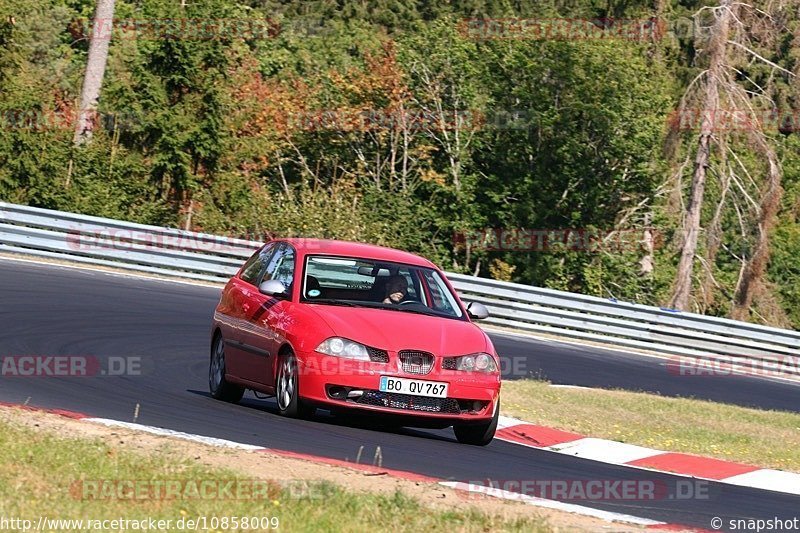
[(356, 249)]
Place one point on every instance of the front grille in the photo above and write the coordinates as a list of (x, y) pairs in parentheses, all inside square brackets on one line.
[(378, 356), (415, 362), (407, 402)]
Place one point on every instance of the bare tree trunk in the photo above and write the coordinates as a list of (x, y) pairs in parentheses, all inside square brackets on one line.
[(659, 27), (647, 263), (691, 230), (190, 212), (752, 279), (713, 243), (95, 70)]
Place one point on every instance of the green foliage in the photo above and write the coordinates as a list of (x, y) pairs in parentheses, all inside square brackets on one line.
[(582, 151), (784, 268), (256, 135)]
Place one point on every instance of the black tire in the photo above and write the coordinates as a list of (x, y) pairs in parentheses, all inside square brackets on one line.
[(219, 387), (478, 434), (287, 389)]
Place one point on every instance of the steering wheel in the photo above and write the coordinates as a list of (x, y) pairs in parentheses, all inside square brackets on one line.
[(406, 302)]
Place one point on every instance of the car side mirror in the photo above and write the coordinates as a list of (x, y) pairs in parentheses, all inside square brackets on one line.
[(477, 310), (273, 287)]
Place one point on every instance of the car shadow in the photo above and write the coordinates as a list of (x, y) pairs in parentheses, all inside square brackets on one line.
[(355, 421)]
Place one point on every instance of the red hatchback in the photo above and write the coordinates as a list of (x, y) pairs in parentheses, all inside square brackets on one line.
[(351, 327)]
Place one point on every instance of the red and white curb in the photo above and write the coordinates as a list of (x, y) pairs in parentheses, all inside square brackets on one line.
[(552, 504), (620, 453), (539, 437), (607, 516), (372, 469)]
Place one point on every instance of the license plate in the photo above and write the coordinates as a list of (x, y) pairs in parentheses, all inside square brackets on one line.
[(416, 387)]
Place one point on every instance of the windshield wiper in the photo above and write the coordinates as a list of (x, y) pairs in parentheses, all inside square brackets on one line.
[(375, 305), (417, 310), (331, 301)]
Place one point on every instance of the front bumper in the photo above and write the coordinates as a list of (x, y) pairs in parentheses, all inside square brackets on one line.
[(338, 383)]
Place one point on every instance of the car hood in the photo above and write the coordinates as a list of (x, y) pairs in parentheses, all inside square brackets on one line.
[(394, 330)]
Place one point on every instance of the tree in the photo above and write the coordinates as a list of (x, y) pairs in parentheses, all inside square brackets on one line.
[(731, 145), (564, 151), (715, 75), (101, 30)]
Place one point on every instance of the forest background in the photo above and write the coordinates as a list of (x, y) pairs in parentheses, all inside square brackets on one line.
[(645, 151)]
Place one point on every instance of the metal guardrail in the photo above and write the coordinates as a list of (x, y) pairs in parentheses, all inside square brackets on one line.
[(631, 325), (199, 256), (108, 242)]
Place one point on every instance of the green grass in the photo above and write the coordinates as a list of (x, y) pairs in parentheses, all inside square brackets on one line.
[(38, 470), (752, 436)]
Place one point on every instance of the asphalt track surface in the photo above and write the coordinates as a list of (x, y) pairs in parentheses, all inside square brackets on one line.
[(51, 310)]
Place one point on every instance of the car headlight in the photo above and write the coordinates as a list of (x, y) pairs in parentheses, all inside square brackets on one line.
[(476, 362), (341, 347)]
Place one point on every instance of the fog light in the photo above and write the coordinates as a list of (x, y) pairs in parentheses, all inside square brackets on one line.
[(337, 393)]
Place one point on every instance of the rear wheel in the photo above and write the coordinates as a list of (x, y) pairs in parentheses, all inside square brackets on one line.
[(220, 388), (287, 389), (478, 434)]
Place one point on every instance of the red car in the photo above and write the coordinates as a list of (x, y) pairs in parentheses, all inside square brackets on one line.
[(351, 327)]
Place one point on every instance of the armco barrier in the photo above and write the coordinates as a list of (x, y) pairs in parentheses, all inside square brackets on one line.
[(184, 254)]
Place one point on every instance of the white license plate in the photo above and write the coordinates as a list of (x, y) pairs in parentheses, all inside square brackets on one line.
[(416, 387)]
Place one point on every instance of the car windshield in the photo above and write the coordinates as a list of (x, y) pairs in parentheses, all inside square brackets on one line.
[(379, 284)]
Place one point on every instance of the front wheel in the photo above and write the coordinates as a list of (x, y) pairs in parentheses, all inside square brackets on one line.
[(478, 434), (220, 388), (287, 390)]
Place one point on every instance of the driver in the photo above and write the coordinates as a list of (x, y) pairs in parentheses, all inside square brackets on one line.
[(396, 289)]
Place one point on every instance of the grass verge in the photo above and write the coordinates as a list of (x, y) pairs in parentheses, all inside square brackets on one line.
[(761, 438), (42, 474)]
